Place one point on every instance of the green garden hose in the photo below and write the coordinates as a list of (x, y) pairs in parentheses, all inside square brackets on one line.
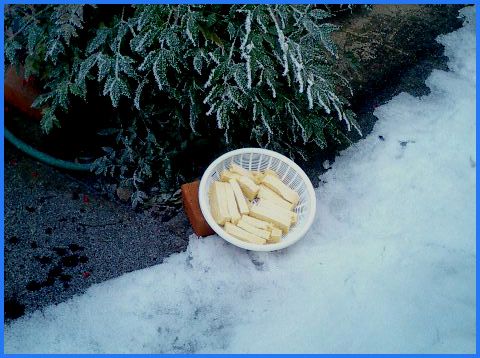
[(45, 158)]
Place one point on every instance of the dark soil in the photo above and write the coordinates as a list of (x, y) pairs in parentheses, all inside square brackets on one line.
[(65, 232), (57, 244)]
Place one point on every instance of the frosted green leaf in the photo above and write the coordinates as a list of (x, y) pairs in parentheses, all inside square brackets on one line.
[(319, 14), (148, 61), (78, 90), (99, 40), (33, 38), (85, 67), (142, 41), (240, 76), (54, 48), (42, 99), (197, 62), (49, 120), (61, 97), (351, 117), (232, 30), (11, 48), (138, 197), (115, 88), (68, 18), (104, 64), (191, 28), (324, 33), (172, 40), (125, 65), (160, 71), (138, 93), (171, 59), (121, 32)]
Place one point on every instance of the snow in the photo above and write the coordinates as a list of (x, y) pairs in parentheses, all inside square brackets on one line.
[(388, 266)]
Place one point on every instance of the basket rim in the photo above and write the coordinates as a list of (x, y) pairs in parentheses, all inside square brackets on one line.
[(203, 199)]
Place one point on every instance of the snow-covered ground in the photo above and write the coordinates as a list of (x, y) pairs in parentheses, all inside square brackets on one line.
[(389, 265)]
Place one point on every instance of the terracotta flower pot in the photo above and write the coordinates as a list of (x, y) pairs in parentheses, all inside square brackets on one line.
[(20, 93), (191, 206)]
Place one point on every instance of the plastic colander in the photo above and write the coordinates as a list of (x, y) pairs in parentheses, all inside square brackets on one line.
[(290, 174)]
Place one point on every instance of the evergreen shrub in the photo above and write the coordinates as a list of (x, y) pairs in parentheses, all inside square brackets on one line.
[(231, 75)]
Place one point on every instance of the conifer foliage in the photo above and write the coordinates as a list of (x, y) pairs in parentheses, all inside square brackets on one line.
[(241, 74)]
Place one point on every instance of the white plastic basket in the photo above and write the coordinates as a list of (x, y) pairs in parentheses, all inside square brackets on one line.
[(290, 174)]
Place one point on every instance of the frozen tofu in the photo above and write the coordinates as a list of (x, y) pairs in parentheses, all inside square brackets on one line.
[(274, 206), (257, 177), (237, 169), (264, 234), (265, 225), (267, 193), (218, 203), (231, 203), (248, 186), (243, 235), (227, 175), (277, 218), (275, 236), (239, 197), (271, 172), (281, 189)]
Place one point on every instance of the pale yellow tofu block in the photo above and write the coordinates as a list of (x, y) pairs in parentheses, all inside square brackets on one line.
[(218, 203), (277, 218), (227, 175), (243, 235), (264, 234), (264, 225), (271, 172), (231, 203), (239, 197), (274, 206), (275, 236), (235, 168), (248, 186), (267, 193), (257, 176), (281, 189)]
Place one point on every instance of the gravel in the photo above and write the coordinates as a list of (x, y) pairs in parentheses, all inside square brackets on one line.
[(60, 237)]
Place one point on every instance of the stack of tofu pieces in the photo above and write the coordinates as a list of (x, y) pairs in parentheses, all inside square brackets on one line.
[(253, 206)]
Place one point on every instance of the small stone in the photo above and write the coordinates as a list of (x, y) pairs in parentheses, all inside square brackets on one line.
[(472, 163), (124, 194), (13, 240)]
